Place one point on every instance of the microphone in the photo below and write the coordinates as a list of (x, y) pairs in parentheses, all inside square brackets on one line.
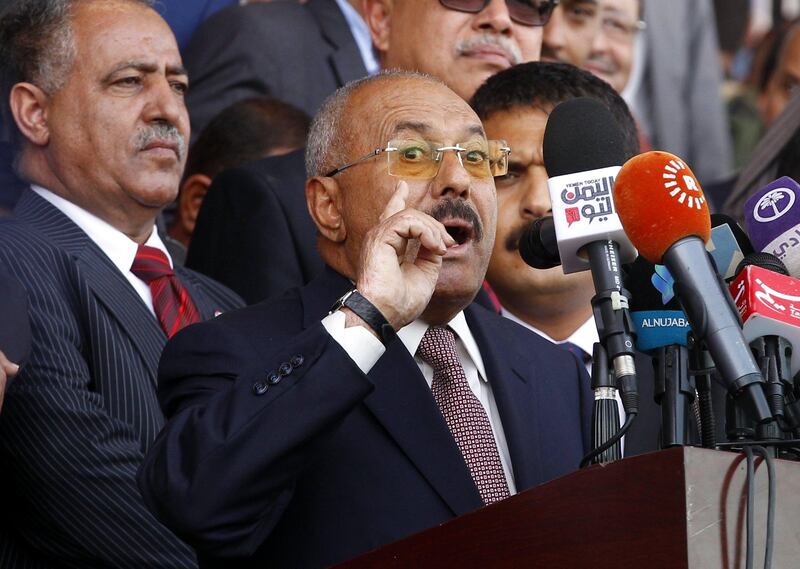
[(769, 302), (661, 331), (772, 217), (583, 149), (538, 245), (665, 214)]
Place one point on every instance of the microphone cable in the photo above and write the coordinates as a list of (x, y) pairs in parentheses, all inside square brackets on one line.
[(750, 451), (629, 417)]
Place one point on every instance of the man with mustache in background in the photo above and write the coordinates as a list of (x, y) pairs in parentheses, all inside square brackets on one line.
[(95, 91), (461, 42), (303, 431)]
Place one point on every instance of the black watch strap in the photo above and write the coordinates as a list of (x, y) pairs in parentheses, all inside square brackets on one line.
[(370, 314)]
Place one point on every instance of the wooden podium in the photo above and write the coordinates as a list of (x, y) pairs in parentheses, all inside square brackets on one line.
[(673, 509)]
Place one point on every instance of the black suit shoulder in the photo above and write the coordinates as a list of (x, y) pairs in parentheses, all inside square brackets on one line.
[(254, 233), (277, 49)]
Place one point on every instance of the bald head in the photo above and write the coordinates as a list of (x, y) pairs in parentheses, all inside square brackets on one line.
[(335, 125)]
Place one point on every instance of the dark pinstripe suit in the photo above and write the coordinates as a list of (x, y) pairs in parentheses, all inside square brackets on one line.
[(81, 415)]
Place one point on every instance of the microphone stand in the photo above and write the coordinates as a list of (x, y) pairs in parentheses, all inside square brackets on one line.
[(614, 324), (675, 392), (774, 353), (702, 366)]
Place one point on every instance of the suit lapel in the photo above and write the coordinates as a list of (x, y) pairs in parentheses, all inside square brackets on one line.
[(100, 277), (204, 305), (403, 404), (345, 58), (515, 391), (124, 304)]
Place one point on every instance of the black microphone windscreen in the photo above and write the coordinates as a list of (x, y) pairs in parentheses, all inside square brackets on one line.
[(581, 135), (765, 261), (538, 245)]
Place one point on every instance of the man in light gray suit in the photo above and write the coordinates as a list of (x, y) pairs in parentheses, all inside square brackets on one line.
[(679, 103)]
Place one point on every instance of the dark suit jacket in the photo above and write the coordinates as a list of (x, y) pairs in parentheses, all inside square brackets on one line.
[(293, 52), (329, 462), (15, 329), (254, 233), (82, 413), (184, 16)]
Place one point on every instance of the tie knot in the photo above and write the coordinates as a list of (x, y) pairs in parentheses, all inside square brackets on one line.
[(438, 348), (150, 264)]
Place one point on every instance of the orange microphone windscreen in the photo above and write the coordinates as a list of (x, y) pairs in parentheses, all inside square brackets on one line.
[(659, 202)]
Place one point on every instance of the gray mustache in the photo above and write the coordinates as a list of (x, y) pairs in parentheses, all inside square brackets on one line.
[(161, 131)]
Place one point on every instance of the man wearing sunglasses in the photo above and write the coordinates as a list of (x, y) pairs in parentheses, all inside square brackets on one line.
[(306, 430), (462, 42)]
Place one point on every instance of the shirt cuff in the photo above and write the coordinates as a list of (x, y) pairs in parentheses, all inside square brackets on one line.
[(359, 343)]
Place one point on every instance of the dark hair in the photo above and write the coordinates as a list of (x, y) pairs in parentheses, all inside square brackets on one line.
[(244, 132), (545, 85), (36, 46)]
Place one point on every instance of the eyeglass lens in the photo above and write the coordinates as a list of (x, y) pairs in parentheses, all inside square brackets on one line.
[(526, 12), (420, 159)]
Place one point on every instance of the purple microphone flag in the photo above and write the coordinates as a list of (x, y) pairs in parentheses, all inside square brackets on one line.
[(773, 212), (773, 221)]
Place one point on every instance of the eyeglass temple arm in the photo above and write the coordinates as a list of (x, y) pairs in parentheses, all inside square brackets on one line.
[(354, 162)]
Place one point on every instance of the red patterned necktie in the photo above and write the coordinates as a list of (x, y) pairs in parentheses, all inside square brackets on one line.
[(464, 414), (172, 304)]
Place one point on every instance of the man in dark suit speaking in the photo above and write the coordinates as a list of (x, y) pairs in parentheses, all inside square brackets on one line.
[(96, 93), (299, 437)]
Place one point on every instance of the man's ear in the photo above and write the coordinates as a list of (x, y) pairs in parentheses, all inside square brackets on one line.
[(378, 15), (29, 107), (324, 201), (191, 198)]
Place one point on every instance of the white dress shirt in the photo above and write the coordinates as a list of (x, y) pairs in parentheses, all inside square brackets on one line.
[(584, 337), (365, 349), (117, 246)]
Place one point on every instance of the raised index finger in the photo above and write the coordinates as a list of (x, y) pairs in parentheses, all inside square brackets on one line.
[(397, 202)]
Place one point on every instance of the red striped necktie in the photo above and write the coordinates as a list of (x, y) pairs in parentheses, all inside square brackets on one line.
[(173, 306)]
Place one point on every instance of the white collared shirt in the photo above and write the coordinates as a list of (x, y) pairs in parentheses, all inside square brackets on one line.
[(365, 349), (117, 246), (584, 337)]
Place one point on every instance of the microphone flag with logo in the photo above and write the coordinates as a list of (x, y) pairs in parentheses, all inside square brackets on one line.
[(772, 217), (656, 313), (769, 304)]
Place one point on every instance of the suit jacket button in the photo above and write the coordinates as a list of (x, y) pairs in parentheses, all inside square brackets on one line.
[(260, 388), (285, 369), (297, 360), (273, 378)]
